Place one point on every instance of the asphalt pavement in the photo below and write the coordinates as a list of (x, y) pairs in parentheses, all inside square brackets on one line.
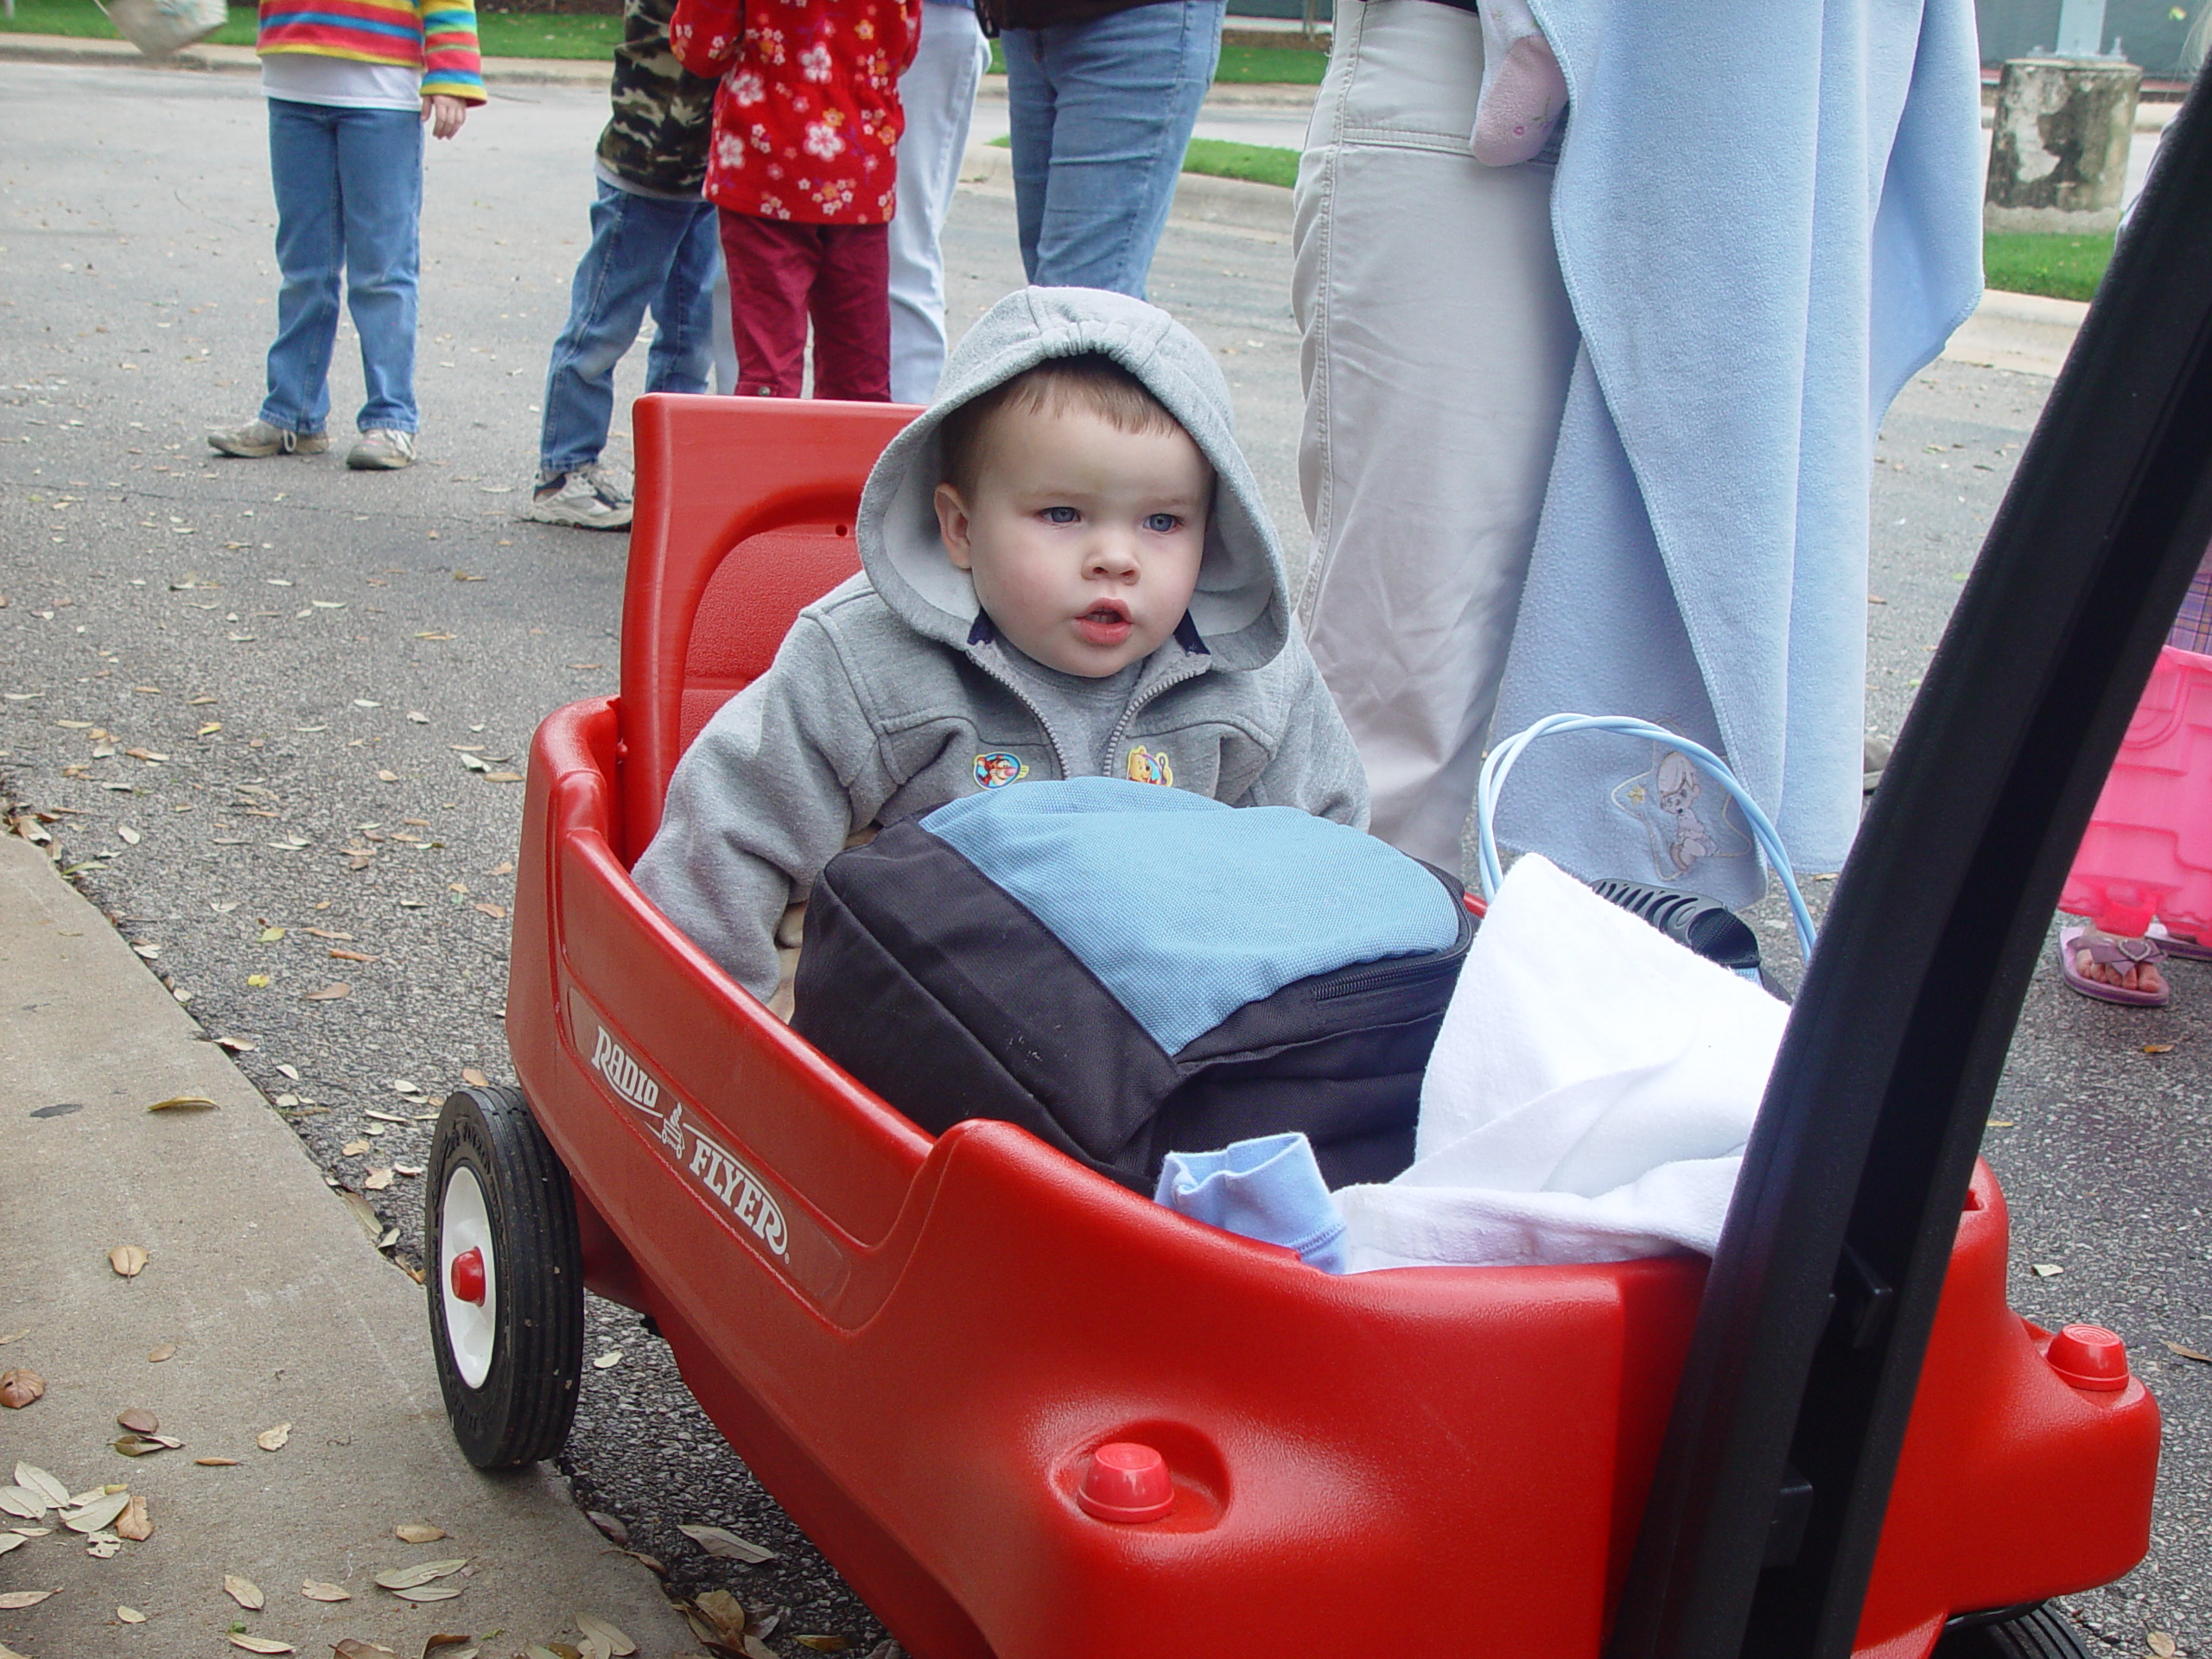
[(267, 711)]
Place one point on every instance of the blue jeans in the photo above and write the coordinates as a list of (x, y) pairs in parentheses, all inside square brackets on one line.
[(645, 252), (1101, 113), (349, 196)]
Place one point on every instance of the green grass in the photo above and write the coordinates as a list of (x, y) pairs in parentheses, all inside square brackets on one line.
[(503, 34), (1241, 66), (528, 35), (2062, 267), (1261, 164)]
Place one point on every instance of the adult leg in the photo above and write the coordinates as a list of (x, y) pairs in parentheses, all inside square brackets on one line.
[(1127, 88), (380, 183), (852, 315), (1437, 341), (310, 247), (619, 276), (772, 267), (938, 92), (1031, 109)]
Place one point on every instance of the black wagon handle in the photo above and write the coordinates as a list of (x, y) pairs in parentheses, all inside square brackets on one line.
[(1760, 1532)]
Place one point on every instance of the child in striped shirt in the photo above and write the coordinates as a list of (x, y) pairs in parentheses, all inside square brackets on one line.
[(349, 89)]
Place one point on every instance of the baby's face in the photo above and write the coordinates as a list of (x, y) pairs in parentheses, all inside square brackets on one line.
[(1084, 540)]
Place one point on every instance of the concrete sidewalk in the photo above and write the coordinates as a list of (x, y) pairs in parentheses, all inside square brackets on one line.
[(262, 1304)]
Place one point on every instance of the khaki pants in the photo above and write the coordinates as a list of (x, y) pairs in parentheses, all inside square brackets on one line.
[(1438, 340)]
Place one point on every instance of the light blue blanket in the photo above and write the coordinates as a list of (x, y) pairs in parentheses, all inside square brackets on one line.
[(1767, 213)]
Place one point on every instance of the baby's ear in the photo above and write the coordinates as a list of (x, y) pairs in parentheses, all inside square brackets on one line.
[(952, 525)]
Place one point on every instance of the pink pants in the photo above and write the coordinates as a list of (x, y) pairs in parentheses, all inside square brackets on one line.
[(781, 275)]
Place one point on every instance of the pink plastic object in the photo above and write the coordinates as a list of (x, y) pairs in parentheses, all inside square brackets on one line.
[(1126, 1482), (2089, 1356), (2147, 853), (468, 1281)]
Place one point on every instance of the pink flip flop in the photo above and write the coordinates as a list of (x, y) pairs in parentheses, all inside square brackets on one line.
[(2109, 952)]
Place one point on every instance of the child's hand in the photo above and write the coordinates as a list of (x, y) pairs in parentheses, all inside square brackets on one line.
[(445, 113)]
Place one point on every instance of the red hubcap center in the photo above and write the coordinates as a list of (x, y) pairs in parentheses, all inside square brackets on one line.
[(468, 1276)]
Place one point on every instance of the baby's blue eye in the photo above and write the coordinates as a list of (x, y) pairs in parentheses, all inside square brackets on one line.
[(1060, 515), (1162, 523)]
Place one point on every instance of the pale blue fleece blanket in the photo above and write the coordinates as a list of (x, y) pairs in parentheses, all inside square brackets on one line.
[(1768, 214)]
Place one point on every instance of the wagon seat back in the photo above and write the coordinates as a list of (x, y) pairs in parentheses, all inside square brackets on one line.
[(745, 516)]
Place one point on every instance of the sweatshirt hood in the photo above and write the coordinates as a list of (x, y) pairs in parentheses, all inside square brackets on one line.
[(1241, 608)]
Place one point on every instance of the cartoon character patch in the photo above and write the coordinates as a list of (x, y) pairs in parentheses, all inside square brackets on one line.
[(1151, 766), (997, 771)]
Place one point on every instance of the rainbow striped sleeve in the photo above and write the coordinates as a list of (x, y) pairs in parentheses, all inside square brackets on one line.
[(450, 65), (436, 36)]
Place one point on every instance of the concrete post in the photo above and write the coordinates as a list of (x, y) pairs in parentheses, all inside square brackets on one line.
[(2058, 150)]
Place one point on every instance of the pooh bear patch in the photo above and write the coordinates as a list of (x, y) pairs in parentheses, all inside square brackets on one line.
[(1151, 766), (997, 771)]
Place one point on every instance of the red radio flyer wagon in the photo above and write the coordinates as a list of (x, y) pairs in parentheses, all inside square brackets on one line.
[(1835, 1440)]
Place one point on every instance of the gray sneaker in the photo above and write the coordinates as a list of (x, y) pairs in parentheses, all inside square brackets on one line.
[(256, 438), (381, 450), (587, 497)]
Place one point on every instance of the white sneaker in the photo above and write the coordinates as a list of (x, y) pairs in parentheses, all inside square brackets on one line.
[(381, 450), (587, 497), (256, 439)]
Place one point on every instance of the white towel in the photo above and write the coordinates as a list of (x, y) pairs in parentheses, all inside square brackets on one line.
[(1588, 1099)]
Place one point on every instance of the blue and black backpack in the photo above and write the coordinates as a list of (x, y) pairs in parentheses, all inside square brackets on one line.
[(1127, 971)]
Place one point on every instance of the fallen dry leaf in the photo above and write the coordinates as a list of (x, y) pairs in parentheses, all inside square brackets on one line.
[(496, 912), (419, 1533), (261, 1643), (351, 956), (2171, 1347), (608, 1360), (167, 1350), (824, 1643), (448, 1639), (184, 1103), (272, 1440), (2158, 1048), (327, 994), (127, 1260), (365, 1214), (30, 1475), (611, 1525), (15, 1335), (606, 1635), (377, 1180), (2047, 1269), (2161, 1644), (11, 1541), (130, 835), (137, 1419), (133, 1523), (728, 1546), (429, 1593), (130, 1615), (315, 1590), (99, 1512), (14, 1599), (724, 1613), (474, 1078), (408, 1578), (23, 1501), (217, 1463), (245, 1591), (140, 1446), (353, 1648)]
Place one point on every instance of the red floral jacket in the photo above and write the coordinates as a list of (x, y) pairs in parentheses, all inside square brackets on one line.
[(807, 117)]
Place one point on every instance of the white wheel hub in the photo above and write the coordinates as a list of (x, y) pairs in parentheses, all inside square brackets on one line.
[(468, 1276)]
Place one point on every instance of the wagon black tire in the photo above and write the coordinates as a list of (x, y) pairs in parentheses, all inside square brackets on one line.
[(2042, 1633), (510, 1354)]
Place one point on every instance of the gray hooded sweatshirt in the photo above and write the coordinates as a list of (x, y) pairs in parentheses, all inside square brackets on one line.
[(891, 695)]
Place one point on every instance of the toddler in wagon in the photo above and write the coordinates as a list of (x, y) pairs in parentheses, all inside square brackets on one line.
[(1067, 572)]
